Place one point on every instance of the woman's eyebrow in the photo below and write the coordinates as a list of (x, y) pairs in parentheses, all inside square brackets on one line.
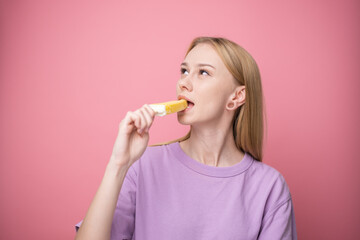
[(199, 65), (206, 65)]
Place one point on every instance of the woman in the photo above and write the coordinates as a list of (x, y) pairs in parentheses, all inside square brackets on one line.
[(210, 184)]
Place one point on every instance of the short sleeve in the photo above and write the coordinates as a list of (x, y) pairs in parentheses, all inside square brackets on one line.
[(280, 224), (123, 224), (279, 219)]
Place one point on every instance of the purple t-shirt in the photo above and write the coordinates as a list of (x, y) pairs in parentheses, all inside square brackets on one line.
[(168, 195)]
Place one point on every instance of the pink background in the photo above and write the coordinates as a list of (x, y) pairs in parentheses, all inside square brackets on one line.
[(70, 71)]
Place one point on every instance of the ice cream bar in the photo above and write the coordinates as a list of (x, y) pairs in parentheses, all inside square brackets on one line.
[(165, 108)]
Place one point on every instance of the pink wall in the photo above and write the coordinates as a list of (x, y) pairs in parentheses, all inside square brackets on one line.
[(70, 71)]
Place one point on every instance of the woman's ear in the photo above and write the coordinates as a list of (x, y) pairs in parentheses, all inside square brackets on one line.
[(236, 99)]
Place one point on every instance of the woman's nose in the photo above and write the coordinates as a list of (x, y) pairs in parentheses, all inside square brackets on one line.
[(185, 84)]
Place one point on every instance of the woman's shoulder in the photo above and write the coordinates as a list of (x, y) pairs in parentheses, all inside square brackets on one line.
[(264, 169), (269, 176), (270, 183), (157, 150), (156, 153)]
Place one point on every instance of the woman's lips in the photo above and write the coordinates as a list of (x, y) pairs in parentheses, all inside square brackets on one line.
[(190, 104)]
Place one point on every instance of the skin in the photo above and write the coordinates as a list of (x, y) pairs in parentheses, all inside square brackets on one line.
[(207, 83), (215, 95)]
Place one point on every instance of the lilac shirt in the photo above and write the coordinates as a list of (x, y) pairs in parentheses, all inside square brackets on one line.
[(168, 195)]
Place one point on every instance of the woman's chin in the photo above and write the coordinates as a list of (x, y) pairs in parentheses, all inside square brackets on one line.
[(183, 120)]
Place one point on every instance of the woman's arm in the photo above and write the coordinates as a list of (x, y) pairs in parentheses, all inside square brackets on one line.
[(97, 222), (130, 144)]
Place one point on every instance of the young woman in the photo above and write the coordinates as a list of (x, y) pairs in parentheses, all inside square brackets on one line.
[(211, 184)]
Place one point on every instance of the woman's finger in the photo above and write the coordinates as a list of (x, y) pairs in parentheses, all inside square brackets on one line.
[(149, 115), (127, 124), (150, 111), (142, 124), (135, 119)]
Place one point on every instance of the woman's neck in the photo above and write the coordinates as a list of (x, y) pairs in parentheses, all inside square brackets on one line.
[(213, 147)]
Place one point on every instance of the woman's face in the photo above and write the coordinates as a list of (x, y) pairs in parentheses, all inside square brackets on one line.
[(207, 85)]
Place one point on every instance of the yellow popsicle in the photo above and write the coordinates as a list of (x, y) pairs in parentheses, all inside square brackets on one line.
[(165, 108)]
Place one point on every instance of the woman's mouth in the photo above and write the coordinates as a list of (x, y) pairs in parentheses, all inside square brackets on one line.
[(189, 107), (190, 104)]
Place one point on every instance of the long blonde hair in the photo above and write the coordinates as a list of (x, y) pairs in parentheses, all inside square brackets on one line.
[(248, 121)]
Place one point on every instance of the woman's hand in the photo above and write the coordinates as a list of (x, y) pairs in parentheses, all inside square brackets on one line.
[(133, 137), (130, 144)]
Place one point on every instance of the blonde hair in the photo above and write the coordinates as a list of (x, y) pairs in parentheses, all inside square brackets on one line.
[(248, 121)]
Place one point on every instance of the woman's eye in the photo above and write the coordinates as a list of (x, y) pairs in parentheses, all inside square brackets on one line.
[(184, 71), (203, 72)]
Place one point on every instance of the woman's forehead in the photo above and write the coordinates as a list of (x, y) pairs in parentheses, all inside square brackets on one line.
[(203, 54)]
